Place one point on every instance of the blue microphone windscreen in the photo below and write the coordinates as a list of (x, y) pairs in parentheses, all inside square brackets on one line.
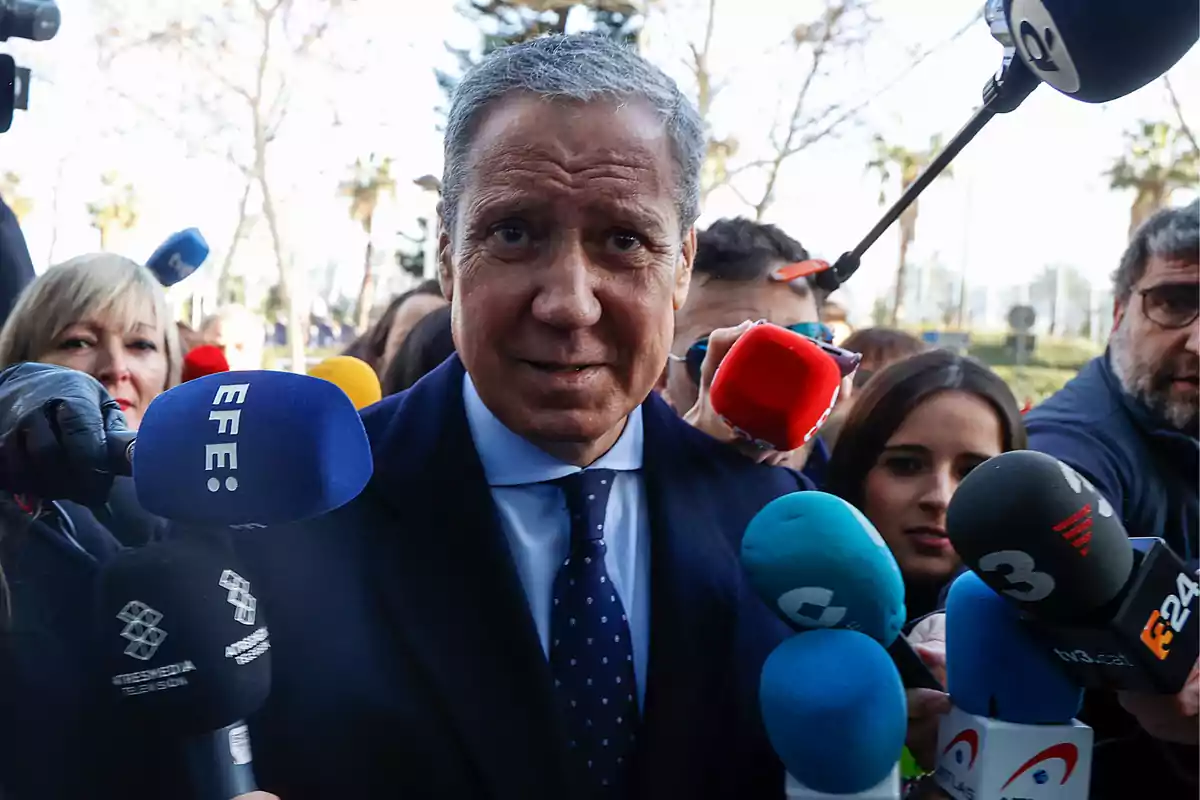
[(994, 668), (834, 710), (819, 563), (250, 447), (179, 256)]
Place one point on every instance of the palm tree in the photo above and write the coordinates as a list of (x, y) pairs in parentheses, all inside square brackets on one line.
[(1158, 159), (115, 210), (909, 164), (10, 191), (368, 180)]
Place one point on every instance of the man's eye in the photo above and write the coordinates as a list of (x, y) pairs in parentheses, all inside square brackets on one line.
[(624, 241), (510, 234)]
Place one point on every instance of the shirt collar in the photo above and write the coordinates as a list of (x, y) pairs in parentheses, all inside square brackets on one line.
[(510, 460)]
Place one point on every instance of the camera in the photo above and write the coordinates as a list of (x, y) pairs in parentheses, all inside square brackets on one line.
[(36, 20)]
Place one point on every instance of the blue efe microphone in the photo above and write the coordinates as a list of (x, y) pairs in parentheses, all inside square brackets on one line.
[(834, 711), (255, 447), (819, 563), (1099, 50), (994, 668), (178, 257)]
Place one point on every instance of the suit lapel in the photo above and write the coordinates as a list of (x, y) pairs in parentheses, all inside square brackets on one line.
[(692, 586), (448, 583)]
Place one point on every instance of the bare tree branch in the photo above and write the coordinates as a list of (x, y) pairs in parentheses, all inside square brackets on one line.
[(829, 29), (814, 129), (1184, 128)]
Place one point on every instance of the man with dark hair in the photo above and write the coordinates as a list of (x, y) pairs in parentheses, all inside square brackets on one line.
[(743, 270), (1128, 422)]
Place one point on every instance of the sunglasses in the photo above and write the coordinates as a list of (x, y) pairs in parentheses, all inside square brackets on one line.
[(817, 332), (1171, 305)]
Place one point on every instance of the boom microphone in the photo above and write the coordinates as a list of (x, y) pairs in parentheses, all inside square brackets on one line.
[(1118, 612), (1093, 50), (1011, 732), (254, 447), (201, 360), (1073, 45), (835, 713), (186, 655), (775, 387), (178, 257), (353, 376)]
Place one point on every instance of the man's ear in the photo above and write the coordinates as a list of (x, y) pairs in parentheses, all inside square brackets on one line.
[(683, 270), (445, 259), (660, 385), (1119, 309)]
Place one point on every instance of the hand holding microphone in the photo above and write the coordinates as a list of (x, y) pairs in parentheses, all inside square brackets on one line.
[(1169, 717), (1119, 613), (58, 431), (766, 389)]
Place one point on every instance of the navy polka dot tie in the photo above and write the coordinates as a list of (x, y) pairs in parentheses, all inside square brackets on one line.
[(591, 655)]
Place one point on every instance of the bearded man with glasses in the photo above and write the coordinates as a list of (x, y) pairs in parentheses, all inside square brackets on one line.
[(1128, 422)]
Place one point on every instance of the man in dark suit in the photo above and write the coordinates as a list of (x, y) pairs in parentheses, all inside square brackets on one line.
[(538, 595)]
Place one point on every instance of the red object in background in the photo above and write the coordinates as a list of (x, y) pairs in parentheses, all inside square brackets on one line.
[(775, 387), (202, 360), (1028, 405)]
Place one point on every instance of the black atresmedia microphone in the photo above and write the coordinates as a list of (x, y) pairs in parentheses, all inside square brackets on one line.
[(186, 654), (1116, 611)]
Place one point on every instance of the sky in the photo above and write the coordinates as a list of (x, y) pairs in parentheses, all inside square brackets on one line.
[(1028, 192)]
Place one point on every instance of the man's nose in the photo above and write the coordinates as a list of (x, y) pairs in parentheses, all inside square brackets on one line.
[(566, 297), (1193, 339)]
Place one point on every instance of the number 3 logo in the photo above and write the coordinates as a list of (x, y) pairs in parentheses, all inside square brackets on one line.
[(1017, 568)]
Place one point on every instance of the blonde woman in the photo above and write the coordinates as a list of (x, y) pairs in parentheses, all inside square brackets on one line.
[(105, 316)]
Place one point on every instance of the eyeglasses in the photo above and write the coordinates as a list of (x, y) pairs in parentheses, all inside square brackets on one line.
[(1171, 305), (817, 332)]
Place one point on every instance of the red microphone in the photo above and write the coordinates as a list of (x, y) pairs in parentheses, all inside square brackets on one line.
[(202, 360), (775, 387)]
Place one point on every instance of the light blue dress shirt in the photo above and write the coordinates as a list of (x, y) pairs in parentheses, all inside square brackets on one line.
[(534, 517)]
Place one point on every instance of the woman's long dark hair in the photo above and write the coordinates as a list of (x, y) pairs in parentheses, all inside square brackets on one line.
[(370, 346), (882, 405), (428, 344)]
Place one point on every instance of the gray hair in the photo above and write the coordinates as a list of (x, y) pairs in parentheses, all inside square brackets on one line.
[(89, 286), (582, 68), (1173, 233)]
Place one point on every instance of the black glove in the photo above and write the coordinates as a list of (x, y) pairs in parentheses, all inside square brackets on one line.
[(53, 427)]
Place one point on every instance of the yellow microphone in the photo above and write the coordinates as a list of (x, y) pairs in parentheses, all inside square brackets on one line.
[(353, 376)]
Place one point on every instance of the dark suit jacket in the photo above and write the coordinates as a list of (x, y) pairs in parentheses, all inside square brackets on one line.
[(405, 659)]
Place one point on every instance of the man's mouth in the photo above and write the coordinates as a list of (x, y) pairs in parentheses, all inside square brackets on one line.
[(549, 366)]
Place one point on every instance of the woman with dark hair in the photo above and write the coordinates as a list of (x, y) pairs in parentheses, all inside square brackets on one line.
[(379, 345), (914, 432), (427, 345), (879, 347)]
